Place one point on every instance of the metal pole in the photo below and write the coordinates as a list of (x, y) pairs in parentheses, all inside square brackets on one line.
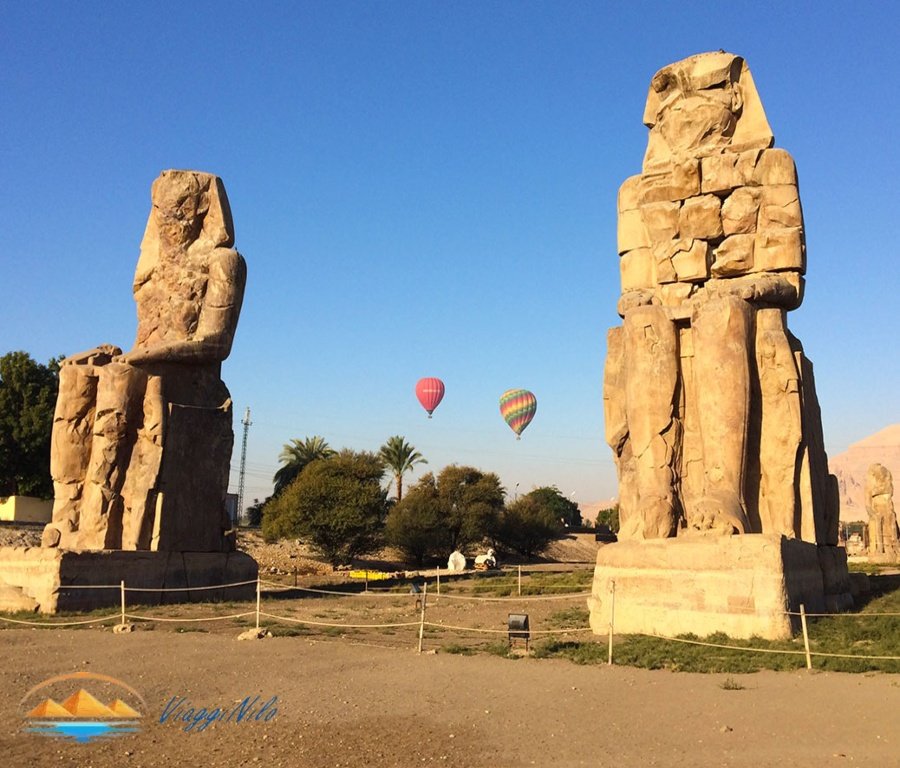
[(258, 593), (438, 582), (612, 618), (520, 581), (122, 588), (805, 636), (367, 580), (422, 617)]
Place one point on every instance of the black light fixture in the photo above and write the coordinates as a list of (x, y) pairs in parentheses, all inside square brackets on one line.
[(517, 627)]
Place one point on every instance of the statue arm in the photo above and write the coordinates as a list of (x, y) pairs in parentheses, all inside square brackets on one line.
[(779, 289), (212, 340), (99, 355)]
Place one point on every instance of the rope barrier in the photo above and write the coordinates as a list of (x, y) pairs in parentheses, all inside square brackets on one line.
[(187, 589), (513, 598), (861, 615), (330, 624), (205, 618), (89, 586), (506, 631), (59, 623)]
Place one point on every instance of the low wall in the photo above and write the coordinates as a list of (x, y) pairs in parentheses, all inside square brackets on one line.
[(25, 509)]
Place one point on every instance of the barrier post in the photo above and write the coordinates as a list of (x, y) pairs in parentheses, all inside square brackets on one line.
[(422, 616), (367, 579), (295, 575), (520, 581), (258, 593), (612, 619), (122, 589), (438, 583), (805, 636)]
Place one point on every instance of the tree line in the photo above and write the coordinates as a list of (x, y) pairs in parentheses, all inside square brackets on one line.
[(335, 501)]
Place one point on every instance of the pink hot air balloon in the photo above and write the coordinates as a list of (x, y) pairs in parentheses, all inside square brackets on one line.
[(430, 391)]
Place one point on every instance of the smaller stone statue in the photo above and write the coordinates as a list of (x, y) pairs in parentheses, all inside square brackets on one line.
[(883, 538)]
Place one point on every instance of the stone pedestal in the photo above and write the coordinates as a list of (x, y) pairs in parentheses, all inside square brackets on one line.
[(50, 580), (739, 585)]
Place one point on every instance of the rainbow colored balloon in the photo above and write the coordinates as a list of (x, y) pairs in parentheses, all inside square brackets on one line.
[(517, 407)]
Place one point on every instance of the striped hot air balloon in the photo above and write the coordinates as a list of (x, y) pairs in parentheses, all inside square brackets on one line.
[(517, 407), (430, 392)]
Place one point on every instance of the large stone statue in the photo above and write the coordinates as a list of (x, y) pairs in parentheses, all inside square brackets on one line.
[(142, 441), (883, 538), (709, 401)]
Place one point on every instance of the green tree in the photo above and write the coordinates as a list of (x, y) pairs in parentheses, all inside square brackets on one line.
[(416, 525), (296, 455), (338, 506), (400, 457), (608, 517), (28, 393), (528, 525), (565, 510), (459, 507), (472, 501)]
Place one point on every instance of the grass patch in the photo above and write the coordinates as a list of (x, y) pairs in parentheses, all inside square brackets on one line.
[(288, 631), (570, 618), (459, 650), (585, 652), (730, 684)]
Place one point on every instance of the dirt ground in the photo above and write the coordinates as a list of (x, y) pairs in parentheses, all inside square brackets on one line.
[(340, 703)]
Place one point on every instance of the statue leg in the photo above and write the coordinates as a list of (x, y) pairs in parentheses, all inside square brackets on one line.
[(617, 437), (119, 397), (70, 449), (721, 337), (780, 427), (140, 490), (651, 383)]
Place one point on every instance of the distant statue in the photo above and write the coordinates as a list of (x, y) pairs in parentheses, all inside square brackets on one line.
[(883, 536), (142, 441), (456, 562), (709, 401)]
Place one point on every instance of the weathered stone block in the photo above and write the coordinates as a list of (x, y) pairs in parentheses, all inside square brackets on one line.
[(690, 260), (780, 207), (743, 586), (638, 270), (775, 166), (631, 232), (733, 256), (661, 220), (61, 580), (740, 211), (630, 194), (779, 249), (701, 218), (673, 181)]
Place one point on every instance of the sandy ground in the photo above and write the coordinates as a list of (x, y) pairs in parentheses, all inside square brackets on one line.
[(341, 703)]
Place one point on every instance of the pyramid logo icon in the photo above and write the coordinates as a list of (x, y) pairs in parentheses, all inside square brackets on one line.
[(80, 715)]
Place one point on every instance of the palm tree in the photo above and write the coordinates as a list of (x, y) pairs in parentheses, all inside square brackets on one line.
[(296, 455), (400, 457)]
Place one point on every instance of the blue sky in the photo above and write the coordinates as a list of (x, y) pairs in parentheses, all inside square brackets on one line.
[(428, 189)]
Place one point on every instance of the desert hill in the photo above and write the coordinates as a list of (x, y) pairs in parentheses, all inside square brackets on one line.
[(850, 468)]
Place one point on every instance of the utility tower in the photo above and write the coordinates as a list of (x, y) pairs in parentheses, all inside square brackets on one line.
[(240, 502)]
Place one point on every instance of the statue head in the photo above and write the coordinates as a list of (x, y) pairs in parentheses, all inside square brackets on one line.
[(190, 210), (704, 105)]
